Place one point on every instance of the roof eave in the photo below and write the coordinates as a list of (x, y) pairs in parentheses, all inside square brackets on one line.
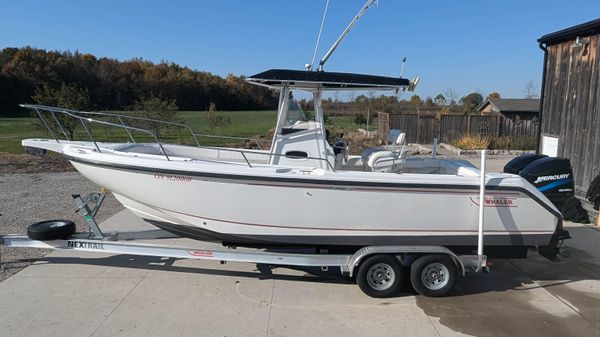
[(584, 29)]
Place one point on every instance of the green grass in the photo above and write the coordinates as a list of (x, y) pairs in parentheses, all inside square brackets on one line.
[(12, 130), (243, 124), (347, 122)]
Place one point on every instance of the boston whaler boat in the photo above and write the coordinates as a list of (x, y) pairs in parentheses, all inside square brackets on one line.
[(304, 192)]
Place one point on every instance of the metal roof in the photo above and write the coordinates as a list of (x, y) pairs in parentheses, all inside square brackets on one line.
[(303, 79), (584, 29)]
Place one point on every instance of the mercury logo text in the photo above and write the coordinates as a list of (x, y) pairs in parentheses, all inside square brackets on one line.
[(554, 177)]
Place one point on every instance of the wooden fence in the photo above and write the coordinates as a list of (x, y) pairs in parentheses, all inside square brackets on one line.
[(447, 128)]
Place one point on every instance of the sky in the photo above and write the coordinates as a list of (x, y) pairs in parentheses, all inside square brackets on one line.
[(469, 46)]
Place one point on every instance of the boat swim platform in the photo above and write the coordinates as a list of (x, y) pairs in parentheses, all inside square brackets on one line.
[(70, 293)]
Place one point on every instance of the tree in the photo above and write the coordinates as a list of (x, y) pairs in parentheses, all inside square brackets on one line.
[(452, 96), (117, 85), (494, 95), (429, 102), (470, 103), (360, 119), (440, 99), (68, 97), (530, 90), (216, 119), (415, 101), (154, 107)]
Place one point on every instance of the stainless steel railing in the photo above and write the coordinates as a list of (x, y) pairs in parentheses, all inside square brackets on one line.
[(82, 116)]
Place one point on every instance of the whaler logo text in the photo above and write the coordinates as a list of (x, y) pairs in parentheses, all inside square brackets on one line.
[(495, 202), (86, 245), (554, 177)]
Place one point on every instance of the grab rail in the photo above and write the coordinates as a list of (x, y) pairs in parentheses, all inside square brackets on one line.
[(71, 113), (77, 115)]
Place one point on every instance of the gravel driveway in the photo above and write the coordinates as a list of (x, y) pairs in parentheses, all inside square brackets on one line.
[(27, 198)]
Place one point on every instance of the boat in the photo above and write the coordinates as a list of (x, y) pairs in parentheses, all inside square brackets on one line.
[(302, 191)]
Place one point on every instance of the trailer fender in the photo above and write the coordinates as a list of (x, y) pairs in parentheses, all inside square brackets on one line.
[(356, 258)]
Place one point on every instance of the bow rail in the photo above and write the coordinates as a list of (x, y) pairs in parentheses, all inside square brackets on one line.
[(84, 117)]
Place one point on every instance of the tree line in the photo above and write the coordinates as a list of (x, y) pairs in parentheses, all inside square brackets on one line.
[(447, 103), (392, 104), (109, 84)]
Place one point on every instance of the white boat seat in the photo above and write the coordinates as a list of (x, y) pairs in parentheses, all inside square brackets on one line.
[(385, 158), (378, 155)]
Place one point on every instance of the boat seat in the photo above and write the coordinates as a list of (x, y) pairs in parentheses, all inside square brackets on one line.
[(386, 158)]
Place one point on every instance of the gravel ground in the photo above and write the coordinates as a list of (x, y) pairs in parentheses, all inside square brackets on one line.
[(27, 198)]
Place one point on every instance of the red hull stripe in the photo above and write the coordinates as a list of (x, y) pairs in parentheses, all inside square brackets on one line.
[(388, 189), (354, 229)]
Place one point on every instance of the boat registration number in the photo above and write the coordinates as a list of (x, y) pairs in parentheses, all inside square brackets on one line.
[(171, 177)]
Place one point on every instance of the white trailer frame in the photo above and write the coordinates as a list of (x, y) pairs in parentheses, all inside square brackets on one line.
[(346, 262)]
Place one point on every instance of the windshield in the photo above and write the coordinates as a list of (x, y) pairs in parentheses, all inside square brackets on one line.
[(295, 114)]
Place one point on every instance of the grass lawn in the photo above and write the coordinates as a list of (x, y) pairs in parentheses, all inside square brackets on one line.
[(243, 124)]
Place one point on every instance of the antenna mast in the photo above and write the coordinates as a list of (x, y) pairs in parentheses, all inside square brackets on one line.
[(309, 66), (337, 42), (402, 69)]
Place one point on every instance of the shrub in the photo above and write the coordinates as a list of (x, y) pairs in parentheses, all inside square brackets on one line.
[(472, 142), (360, 119), (513, 143)]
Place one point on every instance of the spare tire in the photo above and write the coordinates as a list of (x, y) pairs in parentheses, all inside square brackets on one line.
[(50, 230)]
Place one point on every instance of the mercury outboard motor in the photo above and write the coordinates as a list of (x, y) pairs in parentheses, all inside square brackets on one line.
[(551, 176), (518, 163), (554, 178)]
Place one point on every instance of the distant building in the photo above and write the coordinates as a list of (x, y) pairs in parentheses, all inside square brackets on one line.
[(570, 113), (518, 117)]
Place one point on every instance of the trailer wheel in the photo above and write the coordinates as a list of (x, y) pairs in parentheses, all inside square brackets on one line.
[(380, 276), (50, 230), (433, 275)]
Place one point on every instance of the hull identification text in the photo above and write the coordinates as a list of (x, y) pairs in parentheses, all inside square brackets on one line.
[(171, 177)]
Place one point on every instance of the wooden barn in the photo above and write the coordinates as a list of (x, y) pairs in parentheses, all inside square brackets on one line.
[(570, 100), (518, 116)]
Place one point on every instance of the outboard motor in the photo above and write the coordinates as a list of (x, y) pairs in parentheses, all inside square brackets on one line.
[(518, 163), (554, 178), (551, 176)]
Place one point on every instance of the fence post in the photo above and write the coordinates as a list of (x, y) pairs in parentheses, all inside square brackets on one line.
[(384, 126), (418, 125), (498, 125), (469, 124)]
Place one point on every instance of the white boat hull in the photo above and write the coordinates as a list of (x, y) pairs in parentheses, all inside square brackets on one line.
[(300, 208)]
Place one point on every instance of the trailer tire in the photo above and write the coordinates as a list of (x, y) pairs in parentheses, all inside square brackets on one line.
[(433, 275), (380, 276), (50, 230)]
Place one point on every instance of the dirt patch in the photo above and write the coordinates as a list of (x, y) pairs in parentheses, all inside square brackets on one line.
[(28, 198), (26, 163)]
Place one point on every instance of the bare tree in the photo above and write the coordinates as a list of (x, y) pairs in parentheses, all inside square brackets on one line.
[(452, 96), (530, 90)]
